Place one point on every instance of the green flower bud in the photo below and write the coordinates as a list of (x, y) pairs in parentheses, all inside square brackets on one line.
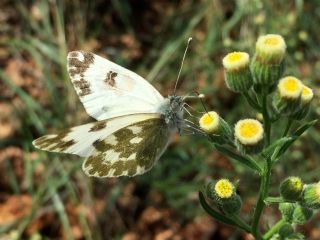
[(286, 230), (210, 190), (232, 205), (265, 75), (311, 196), (291, 188), (301, 215), (216, 127), (267, 65), (287, 100), (249, 136), (237, 73), (222, 192), (287, 210), (306, 98)]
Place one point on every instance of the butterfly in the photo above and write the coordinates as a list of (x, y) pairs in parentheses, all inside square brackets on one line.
[(134, 121)]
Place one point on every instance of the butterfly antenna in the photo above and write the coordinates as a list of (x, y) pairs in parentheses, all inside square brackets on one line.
[(201, 100), (184, 56)]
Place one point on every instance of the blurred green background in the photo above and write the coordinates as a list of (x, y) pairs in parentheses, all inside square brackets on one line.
[(47, 196)]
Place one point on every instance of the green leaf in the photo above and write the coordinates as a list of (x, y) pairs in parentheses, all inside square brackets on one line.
[(234, 220), (213, 213), (249, 162), (295, 136), (279, 143)]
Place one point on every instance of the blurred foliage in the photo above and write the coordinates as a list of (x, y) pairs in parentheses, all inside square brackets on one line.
[(56, 199)]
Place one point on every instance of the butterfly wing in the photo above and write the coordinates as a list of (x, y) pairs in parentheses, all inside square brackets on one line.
[(130, 151), (79, 140), (108, 90)]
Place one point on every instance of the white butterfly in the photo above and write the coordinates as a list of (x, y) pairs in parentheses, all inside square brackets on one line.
[(134, 121)]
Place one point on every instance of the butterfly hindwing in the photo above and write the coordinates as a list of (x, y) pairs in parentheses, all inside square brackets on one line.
[(79, 140), (130, 151), (108, 90)]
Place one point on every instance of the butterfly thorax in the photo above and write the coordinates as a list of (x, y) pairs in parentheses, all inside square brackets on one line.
[(172, 110)]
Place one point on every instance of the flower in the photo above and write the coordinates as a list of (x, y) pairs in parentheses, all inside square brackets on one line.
[(237, 73), (249, 135), (235, 61), (224, 188), (249, 131), (291, 188), (216, 127), (223, 193), (267, 65), (311, 196), (306, 98), (290, 87), (209, 122), (287, 100), (271, 48), (307, 95)]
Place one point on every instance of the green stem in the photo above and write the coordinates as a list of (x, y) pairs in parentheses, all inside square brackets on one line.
[(264, 187), (274, 229), (289, 124), (266, 117)]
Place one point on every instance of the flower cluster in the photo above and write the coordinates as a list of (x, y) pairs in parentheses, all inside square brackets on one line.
[(276, 99)]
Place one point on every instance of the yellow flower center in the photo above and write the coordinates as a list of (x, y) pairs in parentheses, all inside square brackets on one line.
[(207, 119), (296, 183), (223, 188), (249, 129), (235, 56), (271, 41), (306, 91), (307, 95), (291, 84)]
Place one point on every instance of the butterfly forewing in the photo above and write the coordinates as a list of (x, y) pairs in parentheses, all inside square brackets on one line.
[(130, 151), (79, 140), (108, 90)]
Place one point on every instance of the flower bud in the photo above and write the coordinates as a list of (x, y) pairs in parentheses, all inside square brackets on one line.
[(232, 206), (301, 215), (311, 196), (237, 73), (215, 126), (267, 65), (287, 210), (291, 188), (306, 98), (287, 100), (249, 135), (223, 193), (286, 230)]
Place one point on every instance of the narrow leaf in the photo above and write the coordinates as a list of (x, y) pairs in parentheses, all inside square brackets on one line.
[(240, 158), (295, 136), (213, 213), (279, 143)]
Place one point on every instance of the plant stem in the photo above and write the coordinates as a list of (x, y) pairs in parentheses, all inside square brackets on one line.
[(264, 187), (266, 117), (274, 229), (289, 123)]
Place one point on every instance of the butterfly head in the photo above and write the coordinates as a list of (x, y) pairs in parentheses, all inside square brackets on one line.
[(172, 111)]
